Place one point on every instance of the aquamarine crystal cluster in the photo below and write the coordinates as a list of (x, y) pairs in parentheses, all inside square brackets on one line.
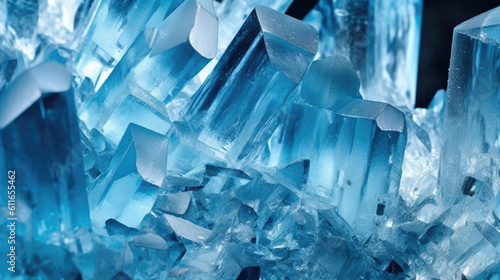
[(195, 139)]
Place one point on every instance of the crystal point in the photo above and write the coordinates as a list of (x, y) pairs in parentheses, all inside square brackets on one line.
[(229, 96)]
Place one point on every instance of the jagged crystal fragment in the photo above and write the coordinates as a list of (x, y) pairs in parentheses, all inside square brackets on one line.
[(134, 178), (252, 81)]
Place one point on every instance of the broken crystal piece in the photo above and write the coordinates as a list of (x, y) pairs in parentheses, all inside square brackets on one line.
[(135, 175), (252, 81), (188, 230)]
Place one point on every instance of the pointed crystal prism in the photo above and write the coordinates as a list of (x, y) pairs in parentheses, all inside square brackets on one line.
[(252, 81)]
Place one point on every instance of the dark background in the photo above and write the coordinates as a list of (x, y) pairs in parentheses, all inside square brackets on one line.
[(439, 19)]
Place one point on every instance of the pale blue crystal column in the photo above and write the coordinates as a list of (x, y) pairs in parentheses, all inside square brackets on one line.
[(40, 136), (154, 70), (356, 160), (252, 81), (471, 128), (380, 37), (113, 29)]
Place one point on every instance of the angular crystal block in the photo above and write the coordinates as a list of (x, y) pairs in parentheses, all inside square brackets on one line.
[(158, 64), (252, 81), (356, 160), (470, 142), (232, 15), (41, 144), (112, 31), (134, 178), (329, 83), (381, 38)]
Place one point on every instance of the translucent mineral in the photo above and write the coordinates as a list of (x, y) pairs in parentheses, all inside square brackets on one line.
[(252, 81), (470, 140), (380, 37), (135, 175), (154, 69), (113, 29), (40, 155)]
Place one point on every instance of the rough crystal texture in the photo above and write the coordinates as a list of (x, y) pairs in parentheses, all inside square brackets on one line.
[(471, 142), (252, 81), (40, 145), (381, 38)]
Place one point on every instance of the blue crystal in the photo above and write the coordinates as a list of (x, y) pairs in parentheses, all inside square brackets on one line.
[(158, 48), (232, 15), (112, 31), (357, 158), (40, 141), (135, 175), (40, 144), (250, 89), (471, 119), (381, 38)]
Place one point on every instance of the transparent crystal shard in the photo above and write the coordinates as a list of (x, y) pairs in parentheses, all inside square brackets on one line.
[(254, 78), (133, 180), (471, 143), (188, 230), (39, 132), (232, 15), (356, 160), (112, 31), (381, 38)]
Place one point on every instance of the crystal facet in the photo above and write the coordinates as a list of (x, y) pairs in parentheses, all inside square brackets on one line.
[(252, 81)]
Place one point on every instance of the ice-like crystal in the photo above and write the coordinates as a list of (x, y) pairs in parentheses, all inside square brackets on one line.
[(252, 81), (471, 142), (134, 178), (41, 157), (30, 22), (329, 83), (232, 15), (357, 158), (381, 38), (112, 31), (158, 64)]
